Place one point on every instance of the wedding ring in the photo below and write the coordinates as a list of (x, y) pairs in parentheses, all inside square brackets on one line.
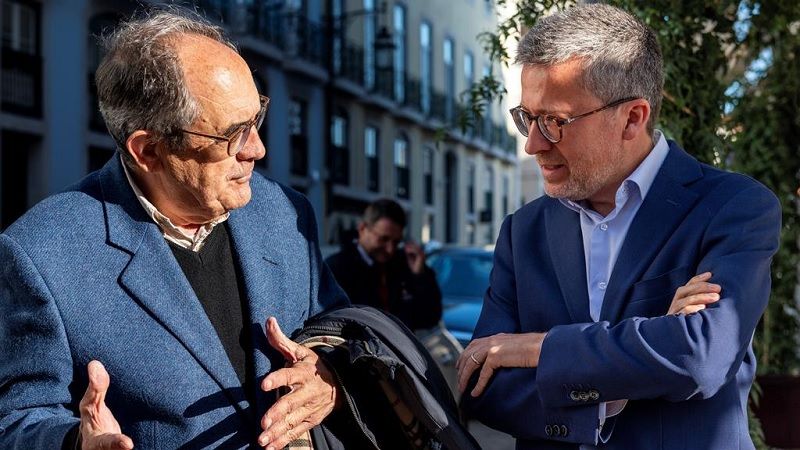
[(472, 357)]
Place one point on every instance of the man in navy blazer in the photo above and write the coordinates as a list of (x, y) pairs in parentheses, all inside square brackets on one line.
[(132, 306), (587, 337)]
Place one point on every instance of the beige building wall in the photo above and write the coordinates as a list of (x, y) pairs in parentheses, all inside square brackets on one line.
[(461, 21)]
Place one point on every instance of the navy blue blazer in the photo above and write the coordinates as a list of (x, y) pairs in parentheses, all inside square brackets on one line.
[(86, 274), (687, 377)]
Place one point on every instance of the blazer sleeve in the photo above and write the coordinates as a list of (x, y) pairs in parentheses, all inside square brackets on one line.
[(325, 292), (36, 367), (677, 357), (511, 402)]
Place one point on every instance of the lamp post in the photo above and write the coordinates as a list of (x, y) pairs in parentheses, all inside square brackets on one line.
[(383, 47)]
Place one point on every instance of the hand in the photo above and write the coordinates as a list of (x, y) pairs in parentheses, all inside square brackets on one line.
[(313, 392), (415, 257), (99, 429), (695, 295), (494, 352)]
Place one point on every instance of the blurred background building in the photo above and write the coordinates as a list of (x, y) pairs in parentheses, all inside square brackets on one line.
[(364, 97)]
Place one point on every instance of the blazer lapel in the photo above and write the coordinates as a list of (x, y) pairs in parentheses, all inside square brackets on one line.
[(665, 206), (565, 243), (155, 280), (259, 232)]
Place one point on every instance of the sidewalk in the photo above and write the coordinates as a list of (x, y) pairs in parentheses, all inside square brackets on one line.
[(490, 439)]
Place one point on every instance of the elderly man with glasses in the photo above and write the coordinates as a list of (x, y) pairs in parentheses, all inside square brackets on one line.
[(133, 306), (588, 337)]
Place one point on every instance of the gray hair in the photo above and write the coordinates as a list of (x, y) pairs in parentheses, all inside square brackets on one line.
[(621, 54), (140, 83)]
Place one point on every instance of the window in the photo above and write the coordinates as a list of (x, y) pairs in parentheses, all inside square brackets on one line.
[(338, 35), (401, 167), (297, 137), (471, 187), (487, 113), (427, 173), (488, 213), (469, 70), (488, 192), (469, 79), (449, 78), (425, 66), (371, 154), (339, 154), (369, 44), (20, 28), (400, 53), (262, 87)]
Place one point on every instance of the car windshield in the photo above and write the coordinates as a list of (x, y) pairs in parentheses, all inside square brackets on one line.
[(462, 274)]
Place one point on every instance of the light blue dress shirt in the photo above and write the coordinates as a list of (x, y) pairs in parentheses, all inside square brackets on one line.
[(603, 238)]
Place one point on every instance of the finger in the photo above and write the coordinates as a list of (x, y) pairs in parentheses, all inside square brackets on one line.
[(289, 376), (705, 276), (696, 299), (691, 309), (293, 401), (98, 385), (483, 379), (112, 441), (290, 350), (702, 287), (465, 373), (471, 349), (278, 439)]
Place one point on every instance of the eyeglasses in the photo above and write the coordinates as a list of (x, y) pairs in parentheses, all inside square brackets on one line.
[(237, 137), (551, 126)]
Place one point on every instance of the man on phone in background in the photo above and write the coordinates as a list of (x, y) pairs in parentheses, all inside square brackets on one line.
[(374, 270)]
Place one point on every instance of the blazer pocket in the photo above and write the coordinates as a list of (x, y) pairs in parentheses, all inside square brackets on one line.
[(652, 297)]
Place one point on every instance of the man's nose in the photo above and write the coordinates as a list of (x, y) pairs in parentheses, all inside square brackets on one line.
[(253, 148), (536, 142)]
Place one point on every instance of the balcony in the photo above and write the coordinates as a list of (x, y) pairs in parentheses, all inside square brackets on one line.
[(352, 64), (21, 83)]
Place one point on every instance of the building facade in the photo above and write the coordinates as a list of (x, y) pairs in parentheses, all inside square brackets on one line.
[(343, 127)]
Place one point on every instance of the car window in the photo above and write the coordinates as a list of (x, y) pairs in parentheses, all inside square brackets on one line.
[(462, 274)]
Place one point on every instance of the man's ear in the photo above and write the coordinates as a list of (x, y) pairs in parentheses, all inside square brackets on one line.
[(142, 147), (637, 118)]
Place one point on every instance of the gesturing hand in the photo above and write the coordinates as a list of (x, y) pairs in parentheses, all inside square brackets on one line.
[(99, 429), (415, 257), (493, 352), (313, 392), (695, 295)]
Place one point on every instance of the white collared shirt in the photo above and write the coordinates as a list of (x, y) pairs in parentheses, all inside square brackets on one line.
[(172, 233), (603, 238)]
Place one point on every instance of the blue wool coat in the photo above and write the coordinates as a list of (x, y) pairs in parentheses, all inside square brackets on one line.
[(87, 275), (687, 376)]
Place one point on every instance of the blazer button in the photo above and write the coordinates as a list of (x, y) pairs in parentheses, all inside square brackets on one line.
[(564, 430), (556, 430), (574, 396), (594, 395), (584, 396), (548, 430)]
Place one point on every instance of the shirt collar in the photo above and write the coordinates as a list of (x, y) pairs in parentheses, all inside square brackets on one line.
[(364, 255), (171, 232), (641, 178)]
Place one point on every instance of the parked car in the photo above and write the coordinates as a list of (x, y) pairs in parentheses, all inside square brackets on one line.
[(463, 276)]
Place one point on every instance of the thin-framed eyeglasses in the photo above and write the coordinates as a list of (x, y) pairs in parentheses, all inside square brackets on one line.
[(238, 136), (551, 126)]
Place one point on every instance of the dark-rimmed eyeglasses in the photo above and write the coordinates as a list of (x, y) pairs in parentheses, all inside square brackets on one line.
[(550, 125), (238, 137)]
